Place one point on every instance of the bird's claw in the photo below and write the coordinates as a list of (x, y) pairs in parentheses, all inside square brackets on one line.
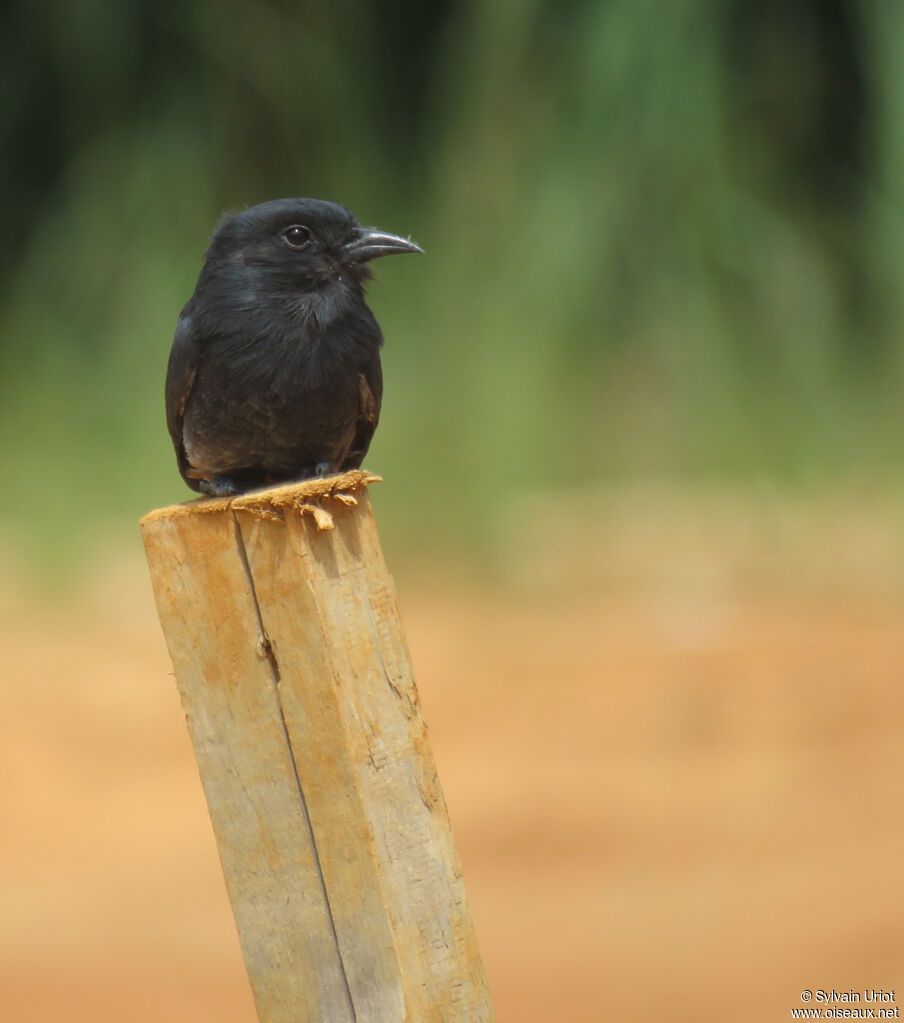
[(220, 486)]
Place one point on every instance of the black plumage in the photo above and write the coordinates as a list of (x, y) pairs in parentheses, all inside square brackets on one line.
[(274, 373)]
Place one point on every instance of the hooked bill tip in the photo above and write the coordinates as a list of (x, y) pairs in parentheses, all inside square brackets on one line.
[(369, 243)]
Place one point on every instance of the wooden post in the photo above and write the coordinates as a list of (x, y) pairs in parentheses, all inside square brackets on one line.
[(282, 624)]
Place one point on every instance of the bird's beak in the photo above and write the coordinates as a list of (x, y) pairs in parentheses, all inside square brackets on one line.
[(368, 243)]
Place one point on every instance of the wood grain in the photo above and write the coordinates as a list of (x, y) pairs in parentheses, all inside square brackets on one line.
[(295, 677)]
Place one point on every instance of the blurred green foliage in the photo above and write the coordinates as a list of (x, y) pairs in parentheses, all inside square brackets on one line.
[(663, 240)]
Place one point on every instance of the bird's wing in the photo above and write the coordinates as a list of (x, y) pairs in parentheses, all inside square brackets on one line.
[(370, 398), (180, 376)]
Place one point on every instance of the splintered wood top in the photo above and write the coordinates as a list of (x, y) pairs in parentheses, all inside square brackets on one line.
[(299, 694), (285, 496)]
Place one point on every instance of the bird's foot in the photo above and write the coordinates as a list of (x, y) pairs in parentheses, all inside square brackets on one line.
[(220, 486), (322, 469)]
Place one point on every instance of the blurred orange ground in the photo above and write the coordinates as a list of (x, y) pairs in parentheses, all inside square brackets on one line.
[(675, 780)]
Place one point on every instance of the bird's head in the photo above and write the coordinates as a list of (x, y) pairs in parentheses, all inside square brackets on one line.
[(302, 241)]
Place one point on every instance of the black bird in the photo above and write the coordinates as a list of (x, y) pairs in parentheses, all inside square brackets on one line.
[(274, 373)]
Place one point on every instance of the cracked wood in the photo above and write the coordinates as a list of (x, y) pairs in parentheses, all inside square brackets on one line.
[(284, 631)]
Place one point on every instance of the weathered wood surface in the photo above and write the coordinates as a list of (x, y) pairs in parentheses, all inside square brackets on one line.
[(282, 624)]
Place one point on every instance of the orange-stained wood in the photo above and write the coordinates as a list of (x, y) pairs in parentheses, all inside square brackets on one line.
[(295, 677)]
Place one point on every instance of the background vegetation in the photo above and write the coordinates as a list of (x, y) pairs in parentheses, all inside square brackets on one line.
[(664, 243), (664, 240)]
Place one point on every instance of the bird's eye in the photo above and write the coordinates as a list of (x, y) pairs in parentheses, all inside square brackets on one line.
[(297, 236)]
